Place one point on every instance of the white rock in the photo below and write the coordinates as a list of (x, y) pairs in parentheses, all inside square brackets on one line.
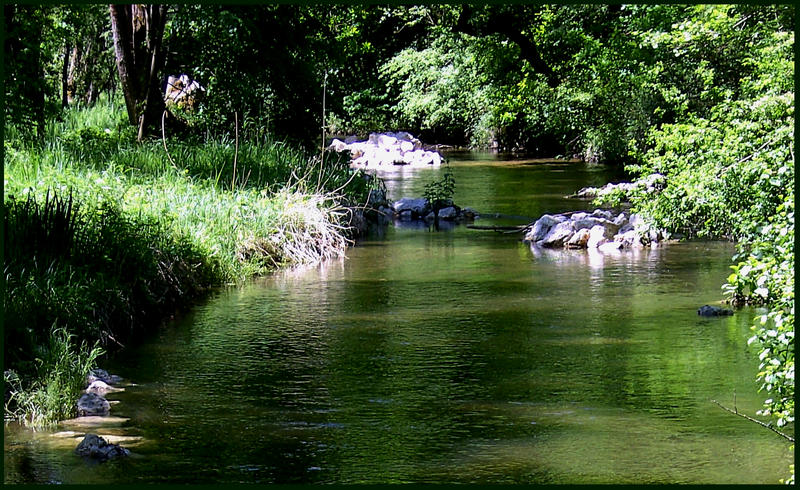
[(610, 247), (558, 234), (542, 227), (597, 236)]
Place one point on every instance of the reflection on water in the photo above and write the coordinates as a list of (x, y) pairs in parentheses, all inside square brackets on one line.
[(457, 356)]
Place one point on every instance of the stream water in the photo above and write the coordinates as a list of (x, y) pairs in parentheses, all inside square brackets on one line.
[(450, 356)]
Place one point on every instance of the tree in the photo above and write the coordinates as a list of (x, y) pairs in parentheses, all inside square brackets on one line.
[(25, 84), (138, 32), (88, 61)]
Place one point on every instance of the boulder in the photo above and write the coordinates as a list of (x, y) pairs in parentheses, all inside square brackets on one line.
[(579, 239), (610, 247), (602, 213), (469, 213), (558, 234), (100, 388), (90, 404), (449, 213), (542, 227), (707, 310), (593, 230), (102, 375), (590, 222), (417, 205), (96, 448), (598, 235)]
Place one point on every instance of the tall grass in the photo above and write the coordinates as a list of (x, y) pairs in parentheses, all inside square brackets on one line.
[(105, 236), (61, 373)]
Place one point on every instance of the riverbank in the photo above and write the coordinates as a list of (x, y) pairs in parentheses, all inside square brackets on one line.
[(105, 239)]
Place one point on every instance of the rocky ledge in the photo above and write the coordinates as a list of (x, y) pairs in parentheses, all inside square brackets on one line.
[(601, 229), (387, 150)]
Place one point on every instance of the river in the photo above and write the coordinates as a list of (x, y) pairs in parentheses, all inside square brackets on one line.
[(443, 356)]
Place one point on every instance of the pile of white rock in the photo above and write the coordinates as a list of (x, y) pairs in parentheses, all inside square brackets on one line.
[(387, 150), (602, 230)]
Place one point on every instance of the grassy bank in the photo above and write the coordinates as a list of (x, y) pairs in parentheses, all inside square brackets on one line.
[(104, 238)]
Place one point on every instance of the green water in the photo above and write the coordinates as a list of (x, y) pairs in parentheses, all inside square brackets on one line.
[(450, 356)]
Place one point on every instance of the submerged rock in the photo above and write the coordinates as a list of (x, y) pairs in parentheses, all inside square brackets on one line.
[(96, 448), (707, 310)]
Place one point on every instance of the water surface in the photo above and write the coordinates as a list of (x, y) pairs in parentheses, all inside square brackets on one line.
[(450, 356)]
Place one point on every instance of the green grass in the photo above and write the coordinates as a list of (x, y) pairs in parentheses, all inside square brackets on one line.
[(105, 236)]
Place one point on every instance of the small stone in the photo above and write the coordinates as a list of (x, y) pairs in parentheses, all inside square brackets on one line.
[(601, 213)]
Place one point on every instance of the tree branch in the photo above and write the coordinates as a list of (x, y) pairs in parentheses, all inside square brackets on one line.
[(751, 419), (506, 24)]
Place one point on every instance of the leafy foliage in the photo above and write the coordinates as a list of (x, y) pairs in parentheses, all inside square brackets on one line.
[(728, 163), (440, 191), (440, 90)]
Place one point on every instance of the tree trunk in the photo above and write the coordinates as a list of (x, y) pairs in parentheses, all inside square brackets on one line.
[(121, 29), (65, 75), (138, 32), (155, 21)]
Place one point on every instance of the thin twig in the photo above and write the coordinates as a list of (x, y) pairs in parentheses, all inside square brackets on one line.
[(751, 419)]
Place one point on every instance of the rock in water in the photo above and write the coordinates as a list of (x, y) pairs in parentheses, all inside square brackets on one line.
[(102, 375), (707, 310), (95, 447), (92, 404)]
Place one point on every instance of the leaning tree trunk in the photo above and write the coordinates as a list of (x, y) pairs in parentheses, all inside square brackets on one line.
[(138, 31)]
